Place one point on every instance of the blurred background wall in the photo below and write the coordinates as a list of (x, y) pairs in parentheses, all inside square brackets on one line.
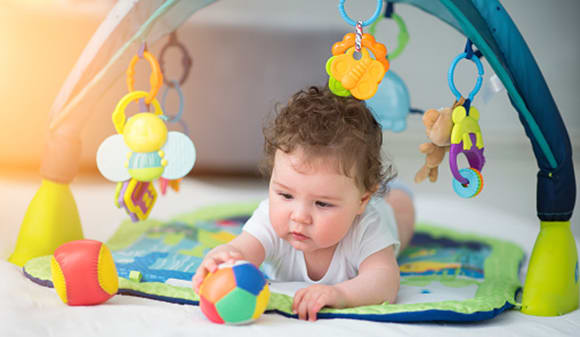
[(249, 55)]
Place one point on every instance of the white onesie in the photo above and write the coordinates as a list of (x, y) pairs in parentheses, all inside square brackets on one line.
[(372, 231)]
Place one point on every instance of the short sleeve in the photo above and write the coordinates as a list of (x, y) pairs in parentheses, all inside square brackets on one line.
[(258, 225), (375, 230)]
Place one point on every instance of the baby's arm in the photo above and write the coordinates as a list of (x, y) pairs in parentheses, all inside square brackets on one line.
[(243, 247), (377, 282)]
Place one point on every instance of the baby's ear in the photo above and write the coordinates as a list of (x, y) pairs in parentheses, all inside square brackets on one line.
[(365, 198)]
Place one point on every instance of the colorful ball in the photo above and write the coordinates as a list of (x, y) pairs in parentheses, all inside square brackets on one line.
[(84, 273), (234, 294)]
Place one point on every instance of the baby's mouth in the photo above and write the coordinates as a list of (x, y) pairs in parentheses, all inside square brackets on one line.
[(298, 236)]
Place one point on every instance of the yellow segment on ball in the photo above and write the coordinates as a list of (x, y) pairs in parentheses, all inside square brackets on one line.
[(107, 272), (58, 280), (262, 301)]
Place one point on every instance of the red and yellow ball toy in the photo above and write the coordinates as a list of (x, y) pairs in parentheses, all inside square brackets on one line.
[(84, 273), (234, 294)]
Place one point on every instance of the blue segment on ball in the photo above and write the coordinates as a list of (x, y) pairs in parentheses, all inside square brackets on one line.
[(249, 278)]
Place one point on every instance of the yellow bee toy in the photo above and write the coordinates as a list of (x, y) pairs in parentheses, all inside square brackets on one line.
[(142, 151)]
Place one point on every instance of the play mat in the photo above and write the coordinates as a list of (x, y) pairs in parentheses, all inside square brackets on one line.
[(446, 275)]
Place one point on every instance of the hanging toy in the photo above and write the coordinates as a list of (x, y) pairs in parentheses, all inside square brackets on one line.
[(360, 77), (391, 104), (356, 72), (143, 150), (148, 150), (466, 135)]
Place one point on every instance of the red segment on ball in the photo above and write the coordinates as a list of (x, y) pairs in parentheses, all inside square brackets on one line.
[(79, 262), (210, 311)]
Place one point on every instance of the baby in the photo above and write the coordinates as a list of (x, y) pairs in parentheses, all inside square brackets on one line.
[(325, 221)]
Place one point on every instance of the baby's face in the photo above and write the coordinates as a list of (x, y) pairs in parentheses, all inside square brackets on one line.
[(312, 205)]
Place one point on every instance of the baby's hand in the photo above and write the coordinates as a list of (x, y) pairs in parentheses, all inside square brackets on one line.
[(210, 264), (309, 301)]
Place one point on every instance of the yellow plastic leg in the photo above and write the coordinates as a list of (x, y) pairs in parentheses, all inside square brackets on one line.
[(551, 286), (52, 219)]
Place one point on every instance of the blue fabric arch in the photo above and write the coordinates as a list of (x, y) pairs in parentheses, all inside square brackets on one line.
[(487, 24)]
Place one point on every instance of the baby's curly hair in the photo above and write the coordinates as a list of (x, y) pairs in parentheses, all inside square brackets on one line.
[(323, 124)]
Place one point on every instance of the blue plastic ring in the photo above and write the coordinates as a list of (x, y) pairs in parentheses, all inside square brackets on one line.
[(472, 188), (475, 90), (180, 93), (365, 23)]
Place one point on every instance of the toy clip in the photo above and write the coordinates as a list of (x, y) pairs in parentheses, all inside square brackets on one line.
[(468, 55), (119, 112), (155, 79), (364, 23), (186, 61)]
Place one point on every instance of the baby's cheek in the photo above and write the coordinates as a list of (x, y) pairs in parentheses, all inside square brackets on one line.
[(278, 221), (328, 235), (336, 228)]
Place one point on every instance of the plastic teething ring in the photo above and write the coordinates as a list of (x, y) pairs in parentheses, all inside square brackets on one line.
[(365, 23), (119, 113), (402, 37), (156, 78), (186, 61), (479, 75), (474, 186)]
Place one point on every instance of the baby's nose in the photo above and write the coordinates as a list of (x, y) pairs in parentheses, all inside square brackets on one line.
[(301, 215)]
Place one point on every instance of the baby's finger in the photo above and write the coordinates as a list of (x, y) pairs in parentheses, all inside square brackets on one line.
[(210, 264), (314, 307), (303, 310), (197, 285), (198, 278), (297, 299)]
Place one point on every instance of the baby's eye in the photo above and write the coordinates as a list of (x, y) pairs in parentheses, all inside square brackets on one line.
[(323, 204), (285, 195)]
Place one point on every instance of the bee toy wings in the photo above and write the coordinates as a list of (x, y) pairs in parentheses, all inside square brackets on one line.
[(147, 153)]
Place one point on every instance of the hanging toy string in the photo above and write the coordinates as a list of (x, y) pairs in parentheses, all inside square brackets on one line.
[(358, 38)]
